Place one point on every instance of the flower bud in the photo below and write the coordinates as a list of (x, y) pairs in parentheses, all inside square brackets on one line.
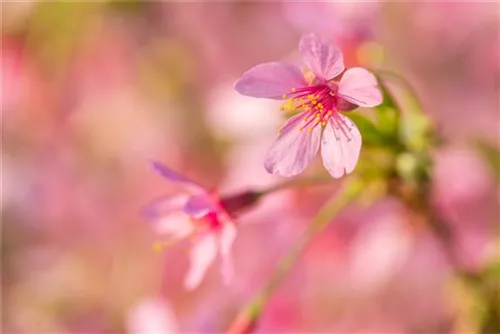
[(235, 203)]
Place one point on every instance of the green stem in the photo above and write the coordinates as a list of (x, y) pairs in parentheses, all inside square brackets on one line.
[(234, 204), (250, 314)]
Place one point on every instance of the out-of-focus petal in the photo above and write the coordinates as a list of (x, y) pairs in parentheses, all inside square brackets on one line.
[(152, 316), (164, 205), (270, 80), (359, 86), (176, 225), (199, 206), (226, 240), (341, 145), (166, 216), (202, 255), (379, 250), (325, 60), (294, 149), (176, 177)]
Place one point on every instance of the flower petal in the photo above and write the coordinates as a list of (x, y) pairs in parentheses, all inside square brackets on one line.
[(270, 80), (175, 177), (359, 86), (164, 205), (340, 146), (325, 60), (176, 225), (199, 206), (202, 255), (166, 216), (226, 240), (293, 150), (227, 236)]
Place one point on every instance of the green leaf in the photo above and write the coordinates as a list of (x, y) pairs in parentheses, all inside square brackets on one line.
[(387, 113), (371, 136), (413, 167), (413, 129), (387, 121), (416, 131)]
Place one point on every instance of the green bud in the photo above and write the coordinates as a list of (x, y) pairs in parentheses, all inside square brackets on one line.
[(408, 166)]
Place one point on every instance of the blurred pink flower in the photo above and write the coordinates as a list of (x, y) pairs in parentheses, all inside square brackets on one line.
[(379, 249), (318, 95), (468, 202), (197, 214), (453, 184), (152, 316), (346, 20)]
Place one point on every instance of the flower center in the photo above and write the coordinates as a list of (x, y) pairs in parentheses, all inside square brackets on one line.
[(210, 221), (318, 103)]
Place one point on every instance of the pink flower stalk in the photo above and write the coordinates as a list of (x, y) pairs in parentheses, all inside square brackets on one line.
[(198, 215), (317, 95)]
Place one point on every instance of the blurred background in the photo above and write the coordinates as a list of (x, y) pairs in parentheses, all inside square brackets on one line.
[(91, 91)]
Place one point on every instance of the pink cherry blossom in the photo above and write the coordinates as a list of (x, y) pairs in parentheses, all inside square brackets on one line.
[(317, 95), (196, 214)]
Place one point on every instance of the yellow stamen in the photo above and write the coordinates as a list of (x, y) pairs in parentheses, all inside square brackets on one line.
[(323, 123), (284, 96), (294, 90)]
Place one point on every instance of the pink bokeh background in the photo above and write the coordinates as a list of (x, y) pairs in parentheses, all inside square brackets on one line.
[(91, 91)]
